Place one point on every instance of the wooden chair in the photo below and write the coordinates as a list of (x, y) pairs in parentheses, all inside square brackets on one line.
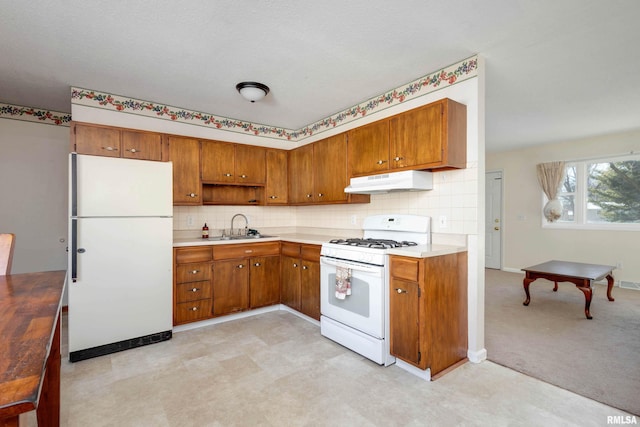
[(7, 242)]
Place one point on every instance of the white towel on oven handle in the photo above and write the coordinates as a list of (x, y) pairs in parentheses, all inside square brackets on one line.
[(343, 282)]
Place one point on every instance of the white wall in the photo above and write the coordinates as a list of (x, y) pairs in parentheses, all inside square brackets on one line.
[(526, 242), (33, 193)]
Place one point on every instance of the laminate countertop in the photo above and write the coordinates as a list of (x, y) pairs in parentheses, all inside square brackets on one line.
[(420, 251)]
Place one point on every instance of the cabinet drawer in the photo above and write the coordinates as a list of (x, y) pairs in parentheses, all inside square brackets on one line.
[(245, 251), (193, 254), (193, 291), (310, 252), (193, 272), (290, 249), (405, 268), (191, 311)]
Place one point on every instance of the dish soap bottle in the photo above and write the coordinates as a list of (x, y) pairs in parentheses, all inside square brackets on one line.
[(205, 231)]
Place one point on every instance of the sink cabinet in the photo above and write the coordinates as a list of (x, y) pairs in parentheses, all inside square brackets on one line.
[(300, 279), (110, 141), (428, 311), (245, 276), (192, 287), (431, 137)]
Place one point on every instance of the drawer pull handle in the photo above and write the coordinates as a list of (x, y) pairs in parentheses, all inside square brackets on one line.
[(192, 195), (295, 265), (109, 148), (248, 251), (380, 162), (397, 158), (228, 174), (195, 289), (304, 267), (195, 271), (240, 266), (133, 150), (309, 196), (257, 264), (273, 197), (194, 308), (243, 176), (401, 291), (320, 194)]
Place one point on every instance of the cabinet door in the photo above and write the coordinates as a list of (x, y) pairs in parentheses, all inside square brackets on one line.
[(264, 281), (330, 169), (310, 289), (97, 140), (290, 282), (218, 160), (276, 190), (185, 155), (416, 137), (368, 149), (251, 164), (404, 320), (141, 145), (230, 286), (301, 175)]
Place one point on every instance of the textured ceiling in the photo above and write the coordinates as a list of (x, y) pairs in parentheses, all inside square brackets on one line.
[(555, 70)]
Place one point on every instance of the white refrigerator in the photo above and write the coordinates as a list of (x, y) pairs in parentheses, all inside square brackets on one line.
[(120, 254)]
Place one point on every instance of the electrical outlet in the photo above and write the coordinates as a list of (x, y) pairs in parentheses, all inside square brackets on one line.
[(189, 220), (443, 221), (354, 219)]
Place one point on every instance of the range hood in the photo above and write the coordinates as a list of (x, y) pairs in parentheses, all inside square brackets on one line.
[(392, 181)]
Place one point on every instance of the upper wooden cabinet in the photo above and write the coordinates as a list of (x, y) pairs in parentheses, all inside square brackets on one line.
[(276, 188), (185, 155), (229, 163), (301, 175), (432, 137), (318, 173), (110, 141), (368, 148)]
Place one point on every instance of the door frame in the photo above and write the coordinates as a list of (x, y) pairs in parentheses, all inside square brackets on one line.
[(501, 208)]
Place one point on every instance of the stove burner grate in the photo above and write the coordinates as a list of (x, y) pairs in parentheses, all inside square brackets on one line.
[(373, 243)]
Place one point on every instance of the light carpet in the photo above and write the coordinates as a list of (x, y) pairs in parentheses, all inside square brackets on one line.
[(553, 341)]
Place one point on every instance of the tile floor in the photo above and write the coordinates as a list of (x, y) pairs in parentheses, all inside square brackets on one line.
[(275, 369)]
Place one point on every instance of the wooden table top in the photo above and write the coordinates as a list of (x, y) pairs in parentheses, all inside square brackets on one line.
[(29, 308), (572, 269)]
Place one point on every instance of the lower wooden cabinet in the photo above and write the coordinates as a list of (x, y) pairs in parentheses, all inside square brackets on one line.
[(217, 280), (428, 311), (192, 289), (300, 278)]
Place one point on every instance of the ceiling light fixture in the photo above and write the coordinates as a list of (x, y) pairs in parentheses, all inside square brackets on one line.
[(252, 91)]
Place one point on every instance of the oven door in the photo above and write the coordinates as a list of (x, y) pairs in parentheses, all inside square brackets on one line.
[(364, 308)]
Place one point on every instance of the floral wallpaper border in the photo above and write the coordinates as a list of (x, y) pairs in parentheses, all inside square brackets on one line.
[(29, 114)]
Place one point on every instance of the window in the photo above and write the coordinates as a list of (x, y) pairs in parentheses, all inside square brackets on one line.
[(601, 194)]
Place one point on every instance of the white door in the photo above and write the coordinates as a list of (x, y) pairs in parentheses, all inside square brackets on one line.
[(124, 281), (493, 218)]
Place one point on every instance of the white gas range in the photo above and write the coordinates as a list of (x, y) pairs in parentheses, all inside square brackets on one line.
[(354, 283)]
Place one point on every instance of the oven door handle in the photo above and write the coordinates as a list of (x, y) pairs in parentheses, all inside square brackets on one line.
[(371, 269)]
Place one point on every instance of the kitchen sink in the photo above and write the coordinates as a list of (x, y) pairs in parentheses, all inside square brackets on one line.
[(247, 237)]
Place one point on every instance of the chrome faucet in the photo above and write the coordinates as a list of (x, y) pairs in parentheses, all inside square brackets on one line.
[(246, 223)]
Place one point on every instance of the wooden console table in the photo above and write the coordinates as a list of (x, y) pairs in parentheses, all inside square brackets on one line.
[(30, 305), (581, 275)]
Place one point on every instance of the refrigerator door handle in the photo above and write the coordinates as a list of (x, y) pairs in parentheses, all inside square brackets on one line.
[(74, 184), (74, 250)]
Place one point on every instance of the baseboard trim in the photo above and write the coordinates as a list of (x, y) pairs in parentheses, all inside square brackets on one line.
[(512, 270), (477, 356)]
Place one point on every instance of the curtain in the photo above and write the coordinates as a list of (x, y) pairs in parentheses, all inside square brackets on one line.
[(550, 176)]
